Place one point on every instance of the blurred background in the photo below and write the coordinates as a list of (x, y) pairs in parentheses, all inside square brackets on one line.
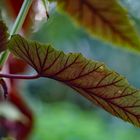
[(59, 112)]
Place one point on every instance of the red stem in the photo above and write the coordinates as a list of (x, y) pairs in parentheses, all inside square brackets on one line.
[(13, 76)]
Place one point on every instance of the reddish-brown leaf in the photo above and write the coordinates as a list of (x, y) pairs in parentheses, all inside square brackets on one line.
[(18, 101), (16, 65), (91, 79), (105, 19), (3, 36)]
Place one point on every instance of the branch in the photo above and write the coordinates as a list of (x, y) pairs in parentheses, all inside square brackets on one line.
[(13, 76)]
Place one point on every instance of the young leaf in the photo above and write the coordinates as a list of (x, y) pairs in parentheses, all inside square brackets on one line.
[(3, 36), (91, 79), (105, 19)]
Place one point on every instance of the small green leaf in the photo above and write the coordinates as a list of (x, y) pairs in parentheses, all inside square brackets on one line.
[(91, 79), (104, 19), (3, 36)]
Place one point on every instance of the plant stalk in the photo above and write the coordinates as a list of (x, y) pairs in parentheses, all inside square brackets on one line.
[(17, 26), (13, 76)]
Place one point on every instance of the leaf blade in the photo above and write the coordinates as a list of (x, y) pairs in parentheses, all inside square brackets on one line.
[(3, 36), (105, 20), (91, 79)]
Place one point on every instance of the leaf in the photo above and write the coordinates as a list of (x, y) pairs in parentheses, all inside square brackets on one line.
[(3, 44), (91, 79), (105, 19), (3, 36)]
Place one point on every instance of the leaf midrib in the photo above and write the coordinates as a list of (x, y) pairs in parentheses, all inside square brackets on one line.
[(108, 23)]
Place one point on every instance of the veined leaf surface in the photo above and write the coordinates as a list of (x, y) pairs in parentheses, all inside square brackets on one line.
[(105, 19), (91, 79), (3, 36)]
